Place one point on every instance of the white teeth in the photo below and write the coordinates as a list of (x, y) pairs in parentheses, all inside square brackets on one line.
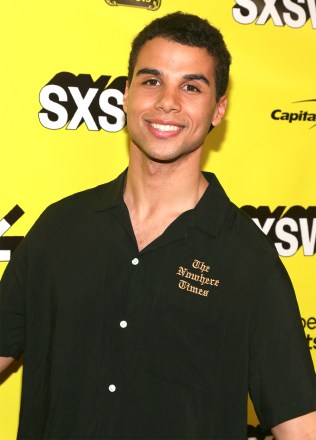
[(165, 127)]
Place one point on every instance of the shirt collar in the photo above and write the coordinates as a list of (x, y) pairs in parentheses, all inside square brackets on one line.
[(111, 194), (213, 207), (208, 215)]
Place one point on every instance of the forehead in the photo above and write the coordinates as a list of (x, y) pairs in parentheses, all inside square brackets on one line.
[(163, 54)]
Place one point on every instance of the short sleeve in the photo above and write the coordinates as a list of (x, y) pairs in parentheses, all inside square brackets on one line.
[(12, 305), (282, 377)]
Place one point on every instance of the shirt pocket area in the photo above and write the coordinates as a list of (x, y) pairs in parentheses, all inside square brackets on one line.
[(184, 340)]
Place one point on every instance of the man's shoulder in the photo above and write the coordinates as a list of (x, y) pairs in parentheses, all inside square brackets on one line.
[(98, 197), (233, 223), (76, 208), (247, 235)]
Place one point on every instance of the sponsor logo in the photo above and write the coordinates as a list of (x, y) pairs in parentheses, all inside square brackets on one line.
[(69, 101), (8, 244), (151, 5), (309, 325), (292, 13), (289, 229), (296, 116)]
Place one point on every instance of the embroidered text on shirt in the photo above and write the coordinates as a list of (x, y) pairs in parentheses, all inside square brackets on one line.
[(199, 277)]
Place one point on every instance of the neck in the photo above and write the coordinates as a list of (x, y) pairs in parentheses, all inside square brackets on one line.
[(157, 193), (169, 187)]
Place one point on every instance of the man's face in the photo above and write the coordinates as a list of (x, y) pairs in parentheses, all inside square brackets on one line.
[(170, 103)]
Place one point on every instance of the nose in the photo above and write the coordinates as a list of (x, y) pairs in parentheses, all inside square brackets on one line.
[(168, 100)]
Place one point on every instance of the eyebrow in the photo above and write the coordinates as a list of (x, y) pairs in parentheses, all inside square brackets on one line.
[(187, 77), (196, 76), (147, 71)]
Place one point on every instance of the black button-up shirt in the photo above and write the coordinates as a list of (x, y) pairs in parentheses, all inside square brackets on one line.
[(159, 344)]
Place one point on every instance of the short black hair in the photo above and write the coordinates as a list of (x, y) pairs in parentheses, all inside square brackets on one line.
[(189, 30)]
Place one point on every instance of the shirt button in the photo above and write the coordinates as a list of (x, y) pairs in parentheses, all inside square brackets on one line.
[(112, 388), (135, 261), (123, 324)]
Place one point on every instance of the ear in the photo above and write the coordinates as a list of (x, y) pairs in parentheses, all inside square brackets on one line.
[(219, 111), (125, 97)]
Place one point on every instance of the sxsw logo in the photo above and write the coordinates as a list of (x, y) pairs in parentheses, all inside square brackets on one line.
[(293, 13), (289, 229), (8, 244), (69, 101)]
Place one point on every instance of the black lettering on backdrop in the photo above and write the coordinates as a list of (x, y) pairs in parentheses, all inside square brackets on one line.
[(291, 116), (309, 325)]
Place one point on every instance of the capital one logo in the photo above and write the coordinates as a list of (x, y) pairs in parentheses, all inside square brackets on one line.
[(293, 13), (69, 101), (297, 116), (289, 229)]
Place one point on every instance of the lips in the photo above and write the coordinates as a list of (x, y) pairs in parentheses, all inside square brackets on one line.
[(165, 127)]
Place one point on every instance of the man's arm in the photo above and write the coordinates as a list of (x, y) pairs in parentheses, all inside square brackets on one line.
[(5, 362), (300, 428)]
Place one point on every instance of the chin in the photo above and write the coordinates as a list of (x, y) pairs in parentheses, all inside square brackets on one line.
[(168, 158)]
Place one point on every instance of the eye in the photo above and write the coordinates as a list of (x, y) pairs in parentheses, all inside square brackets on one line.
[(191, 88), (151, 82)]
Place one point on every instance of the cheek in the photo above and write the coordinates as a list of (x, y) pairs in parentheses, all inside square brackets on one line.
[(132, 107), (134, 122), (203, 120)]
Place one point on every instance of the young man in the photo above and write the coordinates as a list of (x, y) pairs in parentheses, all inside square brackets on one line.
[(157, 321)]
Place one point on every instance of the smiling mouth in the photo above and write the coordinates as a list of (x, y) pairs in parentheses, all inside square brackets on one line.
[(166, 128)]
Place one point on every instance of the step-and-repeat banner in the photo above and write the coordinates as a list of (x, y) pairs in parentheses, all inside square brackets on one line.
[(64, 66)]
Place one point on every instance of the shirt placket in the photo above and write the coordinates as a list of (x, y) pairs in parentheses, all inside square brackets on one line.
[(126, 332)]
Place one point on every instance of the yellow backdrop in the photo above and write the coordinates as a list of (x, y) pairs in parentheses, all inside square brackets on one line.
[(62, 122)]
